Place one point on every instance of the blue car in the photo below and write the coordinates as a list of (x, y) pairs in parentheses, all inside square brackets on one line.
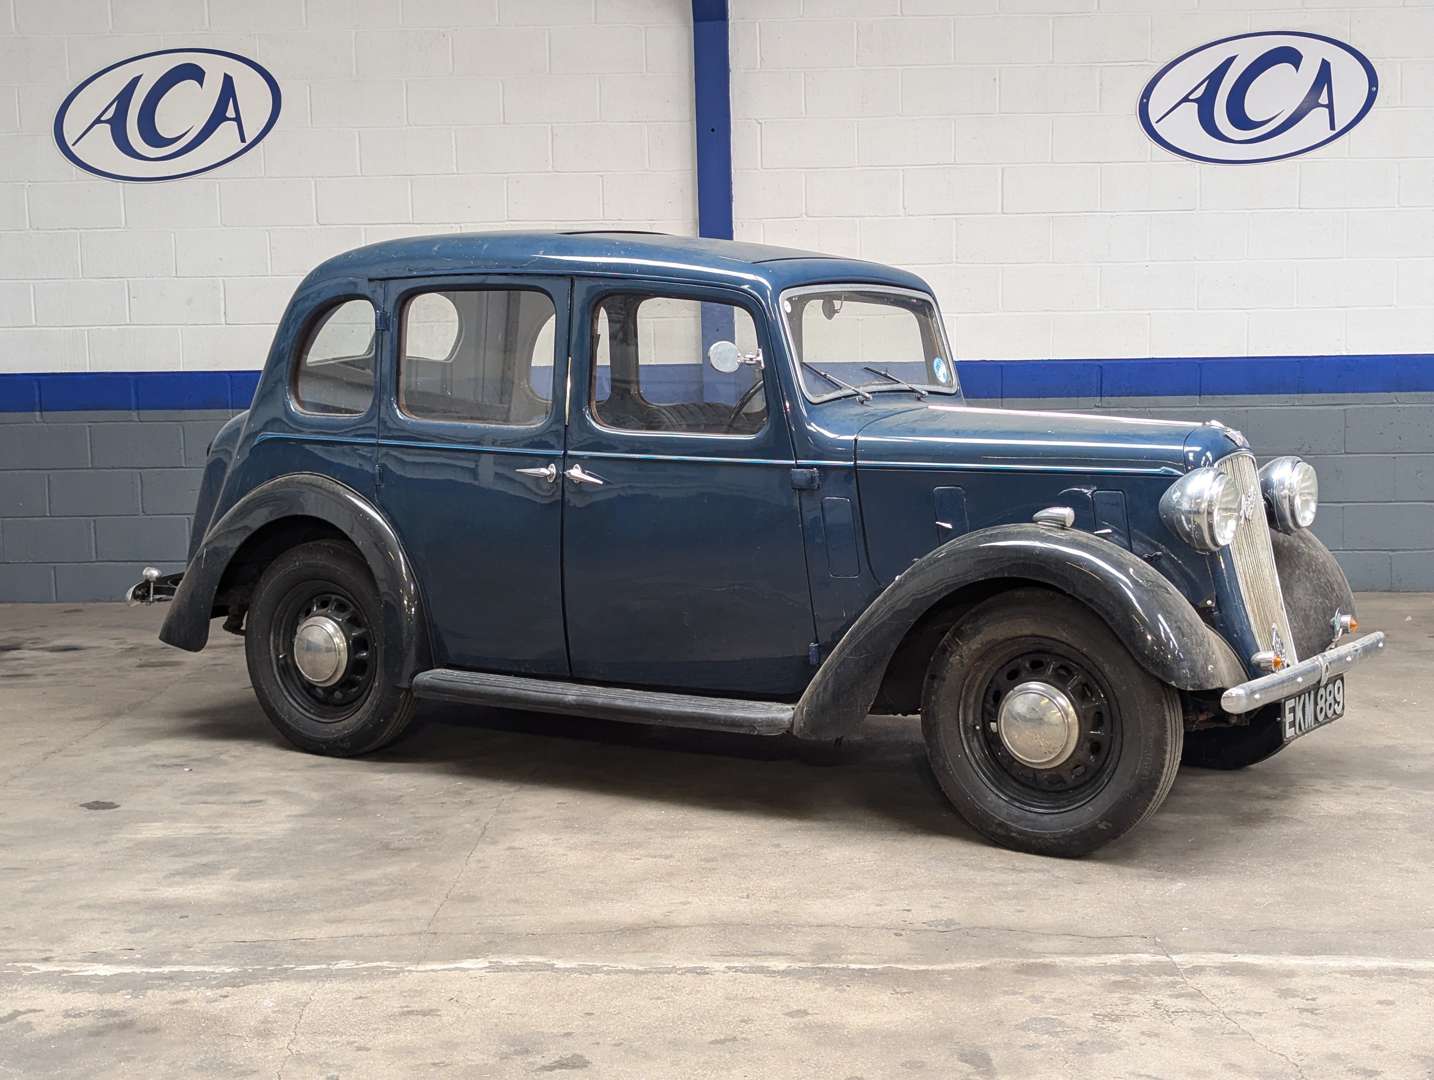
[(728, 486)]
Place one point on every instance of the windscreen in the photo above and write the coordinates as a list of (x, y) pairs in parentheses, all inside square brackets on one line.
[(850, 338)]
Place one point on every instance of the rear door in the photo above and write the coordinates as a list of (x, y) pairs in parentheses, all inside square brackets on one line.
[(683, 556), (470, 446)]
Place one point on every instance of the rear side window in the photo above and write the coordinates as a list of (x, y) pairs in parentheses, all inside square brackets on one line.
[(335, 371), (477, 355)]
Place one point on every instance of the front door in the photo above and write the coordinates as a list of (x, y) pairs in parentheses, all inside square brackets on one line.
[(470, 445), (682, 543)]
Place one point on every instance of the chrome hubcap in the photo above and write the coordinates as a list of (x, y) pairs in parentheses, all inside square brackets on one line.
[(321, 650), (1038, 725)]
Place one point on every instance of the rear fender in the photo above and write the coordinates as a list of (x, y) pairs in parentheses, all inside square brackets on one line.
[(307, 495), (1145, 611)]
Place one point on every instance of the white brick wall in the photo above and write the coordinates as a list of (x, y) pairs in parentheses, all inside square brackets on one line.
[(993, 146), (399, 117)]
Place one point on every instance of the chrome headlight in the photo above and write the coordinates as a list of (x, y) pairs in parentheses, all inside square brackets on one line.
[(1202, 508), (1291, 489)]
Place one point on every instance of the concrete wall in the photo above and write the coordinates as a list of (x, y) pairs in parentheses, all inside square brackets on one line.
[(991, 145)]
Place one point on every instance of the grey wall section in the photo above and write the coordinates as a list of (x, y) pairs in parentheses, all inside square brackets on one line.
[(87, 500)]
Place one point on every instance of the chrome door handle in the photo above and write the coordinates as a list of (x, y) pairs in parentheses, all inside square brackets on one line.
[(548, 472), (578, 475)]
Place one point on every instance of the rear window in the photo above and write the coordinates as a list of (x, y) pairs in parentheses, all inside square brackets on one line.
[(334, 374)]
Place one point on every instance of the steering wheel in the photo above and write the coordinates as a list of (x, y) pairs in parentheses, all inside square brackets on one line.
[(742, 403)]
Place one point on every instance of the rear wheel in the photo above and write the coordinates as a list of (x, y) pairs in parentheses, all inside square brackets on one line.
[(1043, 731), (314, 646)]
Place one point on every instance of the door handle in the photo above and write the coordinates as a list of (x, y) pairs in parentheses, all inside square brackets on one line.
[(548, 472), (578, 475)]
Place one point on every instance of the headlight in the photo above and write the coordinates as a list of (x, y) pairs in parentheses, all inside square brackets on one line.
[(1291, 489), (1202, 508)]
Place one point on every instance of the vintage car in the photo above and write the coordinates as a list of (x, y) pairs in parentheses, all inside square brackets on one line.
[(736, 487)]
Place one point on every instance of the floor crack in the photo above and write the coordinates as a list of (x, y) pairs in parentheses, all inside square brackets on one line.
[(1220, 1012), (289, 1051)]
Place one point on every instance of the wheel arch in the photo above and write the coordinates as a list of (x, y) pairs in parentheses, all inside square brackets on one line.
[(883, 655), (273, 518)]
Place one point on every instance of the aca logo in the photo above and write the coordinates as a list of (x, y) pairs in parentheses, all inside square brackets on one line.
[(1258, 97), (167, 114)]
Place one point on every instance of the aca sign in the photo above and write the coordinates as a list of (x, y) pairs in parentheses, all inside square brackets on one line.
[(167, 114), (1258, 97)]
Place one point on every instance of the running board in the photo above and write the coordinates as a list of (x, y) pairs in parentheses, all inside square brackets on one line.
[(605, 702)]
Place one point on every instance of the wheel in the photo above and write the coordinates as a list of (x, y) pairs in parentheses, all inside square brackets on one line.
[(314, 645), (1043, 731), (1237, 746)]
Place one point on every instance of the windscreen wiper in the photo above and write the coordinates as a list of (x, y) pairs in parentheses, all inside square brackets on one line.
[(920, 393), (861, 394)]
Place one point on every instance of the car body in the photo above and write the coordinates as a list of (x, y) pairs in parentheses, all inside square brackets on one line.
[(734, 486)]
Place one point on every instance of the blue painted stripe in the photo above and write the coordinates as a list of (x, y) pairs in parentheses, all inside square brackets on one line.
[(127, 391), (982, 380), (712, 110)]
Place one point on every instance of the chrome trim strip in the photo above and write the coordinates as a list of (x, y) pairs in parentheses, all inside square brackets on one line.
[(1162, 470), (610, 455), (1299, 677)]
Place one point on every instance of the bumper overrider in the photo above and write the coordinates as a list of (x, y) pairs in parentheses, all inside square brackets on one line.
[(153, 587), (1299, 677)]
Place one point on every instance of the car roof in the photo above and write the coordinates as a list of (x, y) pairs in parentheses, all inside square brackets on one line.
[(688, 258)]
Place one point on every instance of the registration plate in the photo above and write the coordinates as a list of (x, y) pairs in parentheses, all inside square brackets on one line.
[(1314, 708)]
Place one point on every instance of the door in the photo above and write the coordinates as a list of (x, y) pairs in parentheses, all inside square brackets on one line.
[(470, 447), (682, 543)]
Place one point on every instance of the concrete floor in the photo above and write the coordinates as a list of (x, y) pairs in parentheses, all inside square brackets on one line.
[(504, 895)]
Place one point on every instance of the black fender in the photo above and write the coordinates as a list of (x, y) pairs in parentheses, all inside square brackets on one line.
[(1314, 587), (1146, 612), (312, 496)]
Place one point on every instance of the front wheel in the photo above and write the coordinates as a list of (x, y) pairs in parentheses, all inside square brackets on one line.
[(1042, 729), (314, 644)]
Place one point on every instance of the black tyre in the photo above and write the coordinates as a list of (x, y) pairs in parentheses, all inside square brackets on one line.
[(1043, 731), (1237, 746), (324, 690)]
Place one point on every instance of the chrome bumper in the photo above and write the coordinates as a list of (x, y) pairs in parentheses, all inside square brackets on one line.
[(1299, 677), (153, 588)]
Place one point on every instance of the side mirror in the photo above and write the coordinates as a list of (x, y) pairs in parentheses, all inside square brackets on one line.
[(724, 356)]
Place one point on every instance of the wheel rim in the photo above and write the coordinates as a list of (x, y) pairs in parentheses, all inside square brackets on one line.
[(323, 651), (1045, 730)]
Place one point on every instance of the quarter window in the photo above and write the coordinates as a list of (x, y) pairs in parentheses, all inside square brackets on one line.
[(651, 369), (477, 355), (335, 371)]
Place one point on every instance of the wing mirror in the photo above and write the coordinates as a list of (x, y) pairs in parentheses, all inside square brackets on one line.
[(724, 356)]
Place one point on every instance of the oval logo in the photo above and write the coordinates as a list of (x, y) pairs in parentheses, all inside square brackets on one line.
[(167, 114), (1258, 97)]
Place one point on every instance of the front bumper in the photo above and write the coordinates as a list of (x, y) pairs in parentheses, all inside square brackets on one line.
[(1299, 677), (153, 588)]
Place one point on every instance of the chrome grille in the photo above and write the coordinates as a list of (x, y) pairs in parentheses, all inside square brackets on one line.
[(1254, 561)]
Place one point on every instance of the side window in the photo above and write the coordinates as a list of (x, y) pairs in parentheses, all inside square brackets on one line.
[(477, 355), (334, 374), (651, 373)]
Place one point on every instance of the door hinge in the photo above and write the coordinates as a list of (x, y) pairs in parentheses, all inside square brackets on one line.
[(806, 479), (380, 319), (814, 654)]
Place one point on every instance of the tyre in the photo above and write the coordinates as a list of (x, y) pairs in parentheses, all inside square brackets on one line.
[(1235, 747), (314, 645), (1043, 731)]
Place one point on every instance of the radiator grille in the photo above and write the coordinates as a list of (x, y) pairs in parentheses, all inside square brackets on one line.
[(1254, 561)]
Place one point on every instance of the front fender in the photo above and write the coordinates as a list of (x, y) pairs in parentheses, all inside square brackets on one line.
[(1145, 611), (1314, 588), (311, 496)]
